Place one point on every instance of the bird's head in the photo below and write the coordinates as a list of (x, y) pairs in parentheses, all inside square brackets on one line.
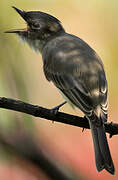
[(40, 27)]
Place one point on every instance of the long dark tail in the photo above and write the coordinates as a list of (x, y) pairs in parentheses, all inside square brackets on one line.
[(102, 153)]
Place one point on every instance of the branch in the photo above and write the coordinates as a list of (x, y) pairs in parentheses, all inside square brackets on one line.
[(37, 111)]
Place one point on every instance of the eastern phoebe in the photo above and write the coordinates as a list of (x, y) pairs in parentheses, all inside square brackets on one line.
[(76, 70)]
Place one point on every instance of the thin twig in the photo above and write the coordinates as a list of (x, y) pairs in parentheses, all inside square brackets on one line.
[(37, 111)]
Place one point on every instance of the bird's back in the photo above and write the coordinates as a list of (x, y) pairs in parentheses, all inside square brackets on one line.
[(68, 54)]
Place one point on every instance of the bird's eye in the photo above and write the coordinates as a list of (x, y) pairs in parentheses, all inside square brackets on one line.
[(36, 25)]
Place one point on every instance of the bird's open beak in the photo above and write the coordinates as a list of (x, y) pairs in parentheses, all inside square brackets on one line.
[(22, 14)]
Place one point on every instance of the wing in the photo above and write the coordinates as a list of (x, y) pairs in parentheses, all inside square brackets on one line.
[(73, 89), (77, 71), (103, 97)]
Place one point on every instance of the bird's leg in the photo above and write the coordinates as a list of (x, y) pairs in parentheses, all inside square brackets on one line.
[(56, 109)]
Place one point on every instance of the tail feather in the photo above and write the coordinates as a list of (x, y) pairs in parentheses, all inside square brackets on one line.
[(102, 153)]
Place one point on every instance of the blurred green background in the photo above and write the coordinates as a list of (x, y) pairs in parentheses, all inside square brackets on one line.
[(21, 76)]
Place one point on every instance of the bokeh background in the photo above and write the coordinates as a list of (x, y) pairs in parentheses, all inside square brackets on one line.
[(21, 77)]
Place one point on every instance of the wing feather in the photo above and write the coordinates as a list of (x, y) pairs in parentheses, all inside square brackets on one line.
[(78, 72), (71, 90)]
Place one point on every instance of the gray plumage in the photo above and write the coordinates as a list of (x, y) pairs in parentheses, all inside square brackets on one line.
[(76, 70)]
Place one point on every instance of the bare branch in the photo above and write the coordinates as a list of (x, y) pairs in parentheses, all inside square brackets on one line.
[(37, 111)]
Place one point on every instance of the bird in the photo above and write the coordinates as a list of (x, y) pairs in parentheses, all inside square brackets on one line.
[(76, 70)]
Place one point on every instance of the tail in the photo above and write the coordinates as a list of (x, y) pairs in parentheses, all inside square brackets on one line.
[(102, 153)]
